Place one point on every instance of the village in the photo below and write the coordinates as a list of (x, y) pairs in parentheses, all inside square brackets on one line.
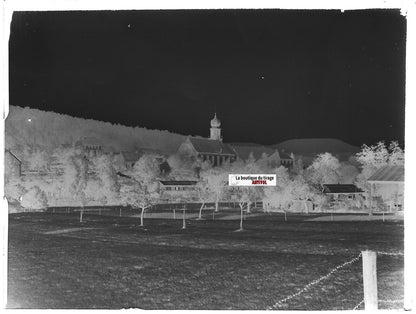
[(206, 158), (198, 173)]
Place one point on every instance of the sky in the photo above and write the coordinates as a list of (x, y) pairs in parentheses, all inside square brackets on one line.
[(270, 75)]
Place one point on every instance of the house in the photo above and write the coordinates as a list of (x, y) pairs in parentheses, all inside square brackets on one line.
[(273, 156), (344, 195), (210, 149), (214, 151), (387, 188), (178, 190), (342, 191), (246, 150), (286, 159), (91, 146)]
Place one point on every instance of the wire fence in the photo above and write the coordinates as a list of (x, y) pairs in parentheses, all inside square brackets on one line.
[(391, 253), (313, 283), (307, 287), (358, 305)]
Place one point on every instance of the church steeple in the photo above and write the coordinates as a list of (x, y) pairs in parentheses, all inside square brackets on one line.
[(216, 129)]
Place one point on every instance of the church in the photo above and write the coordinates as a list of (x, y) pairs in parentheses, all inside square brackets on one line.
[(210, 149), (214, 150)]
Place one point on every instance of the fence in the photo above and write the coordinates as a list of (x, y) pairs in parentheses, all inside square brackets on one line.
[(370, 299)]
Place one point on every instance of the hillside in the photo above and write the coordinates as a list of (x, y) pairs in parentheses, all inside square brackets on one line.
[(33, 127)]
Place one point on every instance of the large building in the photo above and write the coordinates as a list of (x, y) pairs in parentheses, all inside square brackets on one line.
[(210, 149), (387, 188), (214, 150)]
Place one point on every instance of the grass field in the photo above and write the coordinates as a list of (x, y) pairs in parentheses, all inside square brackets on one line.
[(110, 262)]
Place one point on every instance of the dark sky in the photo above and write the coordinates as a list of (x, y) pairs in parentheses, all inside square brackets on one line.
[(270, 75)]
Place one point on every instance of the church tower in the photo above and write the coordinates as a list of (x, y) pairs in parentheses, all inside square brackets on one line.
[(216, 129)]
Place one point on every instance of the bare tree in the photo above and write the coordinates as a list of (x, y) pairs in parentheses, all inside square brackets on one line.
[(145, 173), (205, 194), (215, 181)]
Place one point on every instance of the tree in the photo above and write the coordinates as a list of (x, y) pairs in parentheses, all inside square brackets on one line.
[(324, 170), (105, 181), (280, 196), (205, 194), (250, 166), (34, 198), (396, 156), (79, 185), (372, 158), (246, 195), (214, 182), (347, 173), (301, 190), (14, 189), (378, 154), (243, 195), (145, 172), (73, 176), (129, 193)]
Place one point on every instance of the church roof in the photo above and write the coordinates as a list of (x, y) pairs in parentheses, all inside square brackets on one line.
[(388, 173), (215, 122), (208, 146)]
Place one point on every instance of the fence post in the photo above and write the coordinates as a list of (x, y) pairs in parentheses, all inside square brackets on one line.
[(285, 216), (370, 280), (183, 220), (120, 211), (174, 213)]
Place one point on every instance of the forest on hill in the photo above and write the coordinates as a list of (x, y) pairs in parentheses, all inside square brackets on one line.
[(26, 127)]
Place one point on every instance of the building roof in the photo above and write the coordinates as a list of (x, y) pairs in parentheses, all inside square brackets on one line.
[(130, 156), (178, 182), (284, 155), (123, 175), (13, 155), (388, 173), (215, 122), (208, 146), (341, 188)]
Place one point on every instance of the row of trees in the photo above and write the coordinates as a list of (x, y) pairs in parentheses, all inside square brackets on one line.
[(70, 176)]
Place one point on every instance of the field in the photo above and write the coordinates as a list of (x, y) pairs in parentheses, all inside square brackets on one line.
[(109, 262)]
